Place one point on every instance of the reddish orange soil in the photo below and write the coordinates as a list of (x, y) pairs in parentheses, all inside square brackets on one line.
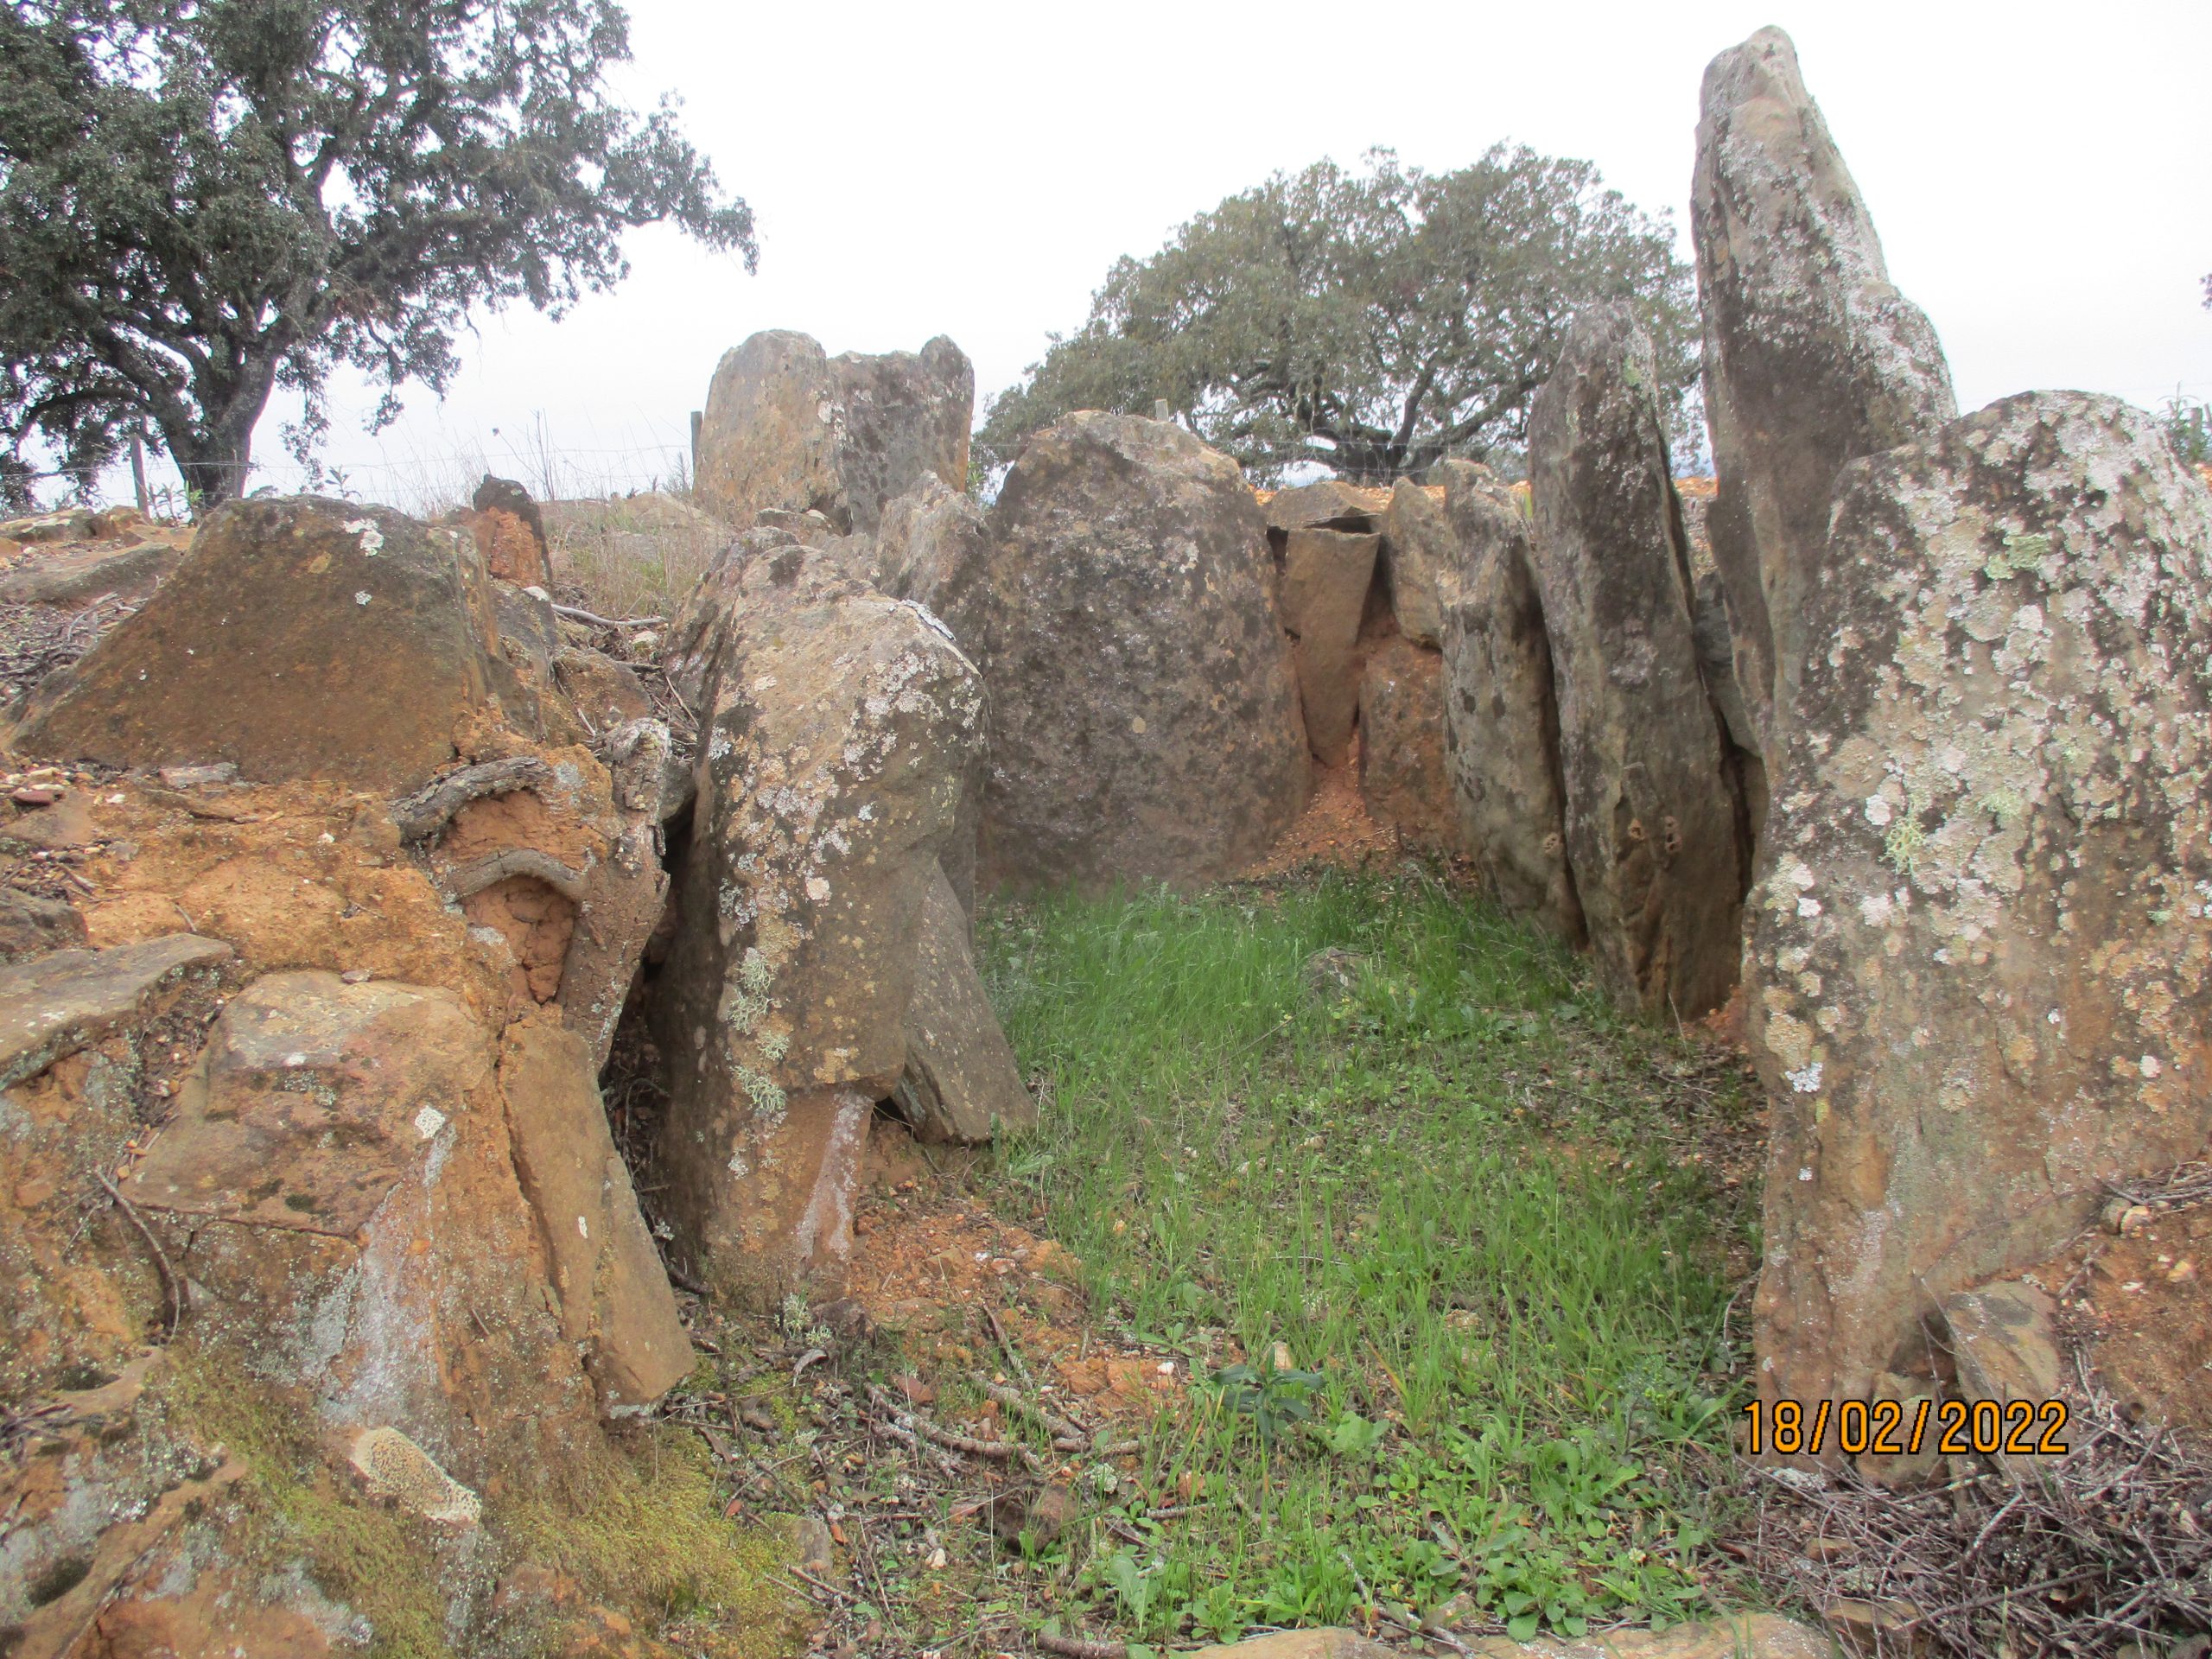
[(1335, 828), (2141, 1305)]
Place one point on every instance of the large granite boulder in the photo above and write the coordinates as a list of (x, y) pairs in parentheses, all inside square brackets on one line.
[(1145, 722), (1323, 594), (1654, 822), (1402, 780), (788, 427), (836, 729), (1501, 723), (1980, 966), (1812, 357), (300, 638)]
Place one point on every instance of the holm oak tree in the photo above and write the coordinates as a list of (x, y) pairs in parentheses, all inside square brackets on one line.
[(1374, 320), (203, 200)]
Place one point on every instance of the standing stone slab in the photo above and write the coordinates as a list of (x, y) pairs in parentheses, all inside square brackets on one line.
[(615, 1301), (1402, 775), (1653, 818), (1500, 720), (788, 427), (1417, 551), (299, 638), (1144, 720), (1980, 967), (934, 548), (1812, 358), (1325, 576), (837, 726), (962, 1082)]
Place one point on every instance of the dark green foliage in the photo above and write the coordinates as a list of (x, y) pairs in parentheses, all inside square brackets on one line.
[(201, 200), (1401, 315)]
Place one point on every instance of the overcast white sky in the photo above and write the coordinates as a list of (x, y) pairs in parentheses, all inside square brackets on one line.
[(2038, 172)]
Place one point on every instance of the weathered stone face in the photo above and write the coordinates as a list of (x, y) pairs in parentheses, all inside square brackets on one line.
[(1501, 723), (1402, 775), (835, 728), (1417, 551), (510, 533), (1325, 576), (1654, 824), (1811, 357), (299, 639), (787, 427), (934, 548), (1980, 969), (1144, 721), (556, 866), (961, 1083), (615, 1302), (339, 1180)]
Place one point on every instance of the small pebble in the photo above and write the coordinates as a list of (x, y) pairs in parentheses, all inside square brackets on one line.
[(356, 976)]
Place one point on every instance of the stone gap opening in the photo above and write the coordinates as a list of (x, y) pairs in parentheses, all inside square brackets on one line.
[(633, 1084)]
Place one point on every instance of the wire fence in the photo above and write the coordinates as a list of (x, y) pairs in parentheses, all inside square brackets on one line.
[(422, 486)]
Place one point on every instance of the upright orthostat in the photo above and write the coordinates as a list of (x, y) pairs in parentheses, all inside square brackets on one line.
[(1656, 830), (1144, 721), (788, 427), (1980, 966), (1811, 358)]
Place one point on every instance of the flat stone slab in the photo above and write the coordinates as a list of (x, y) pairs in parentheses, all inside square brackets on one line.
[(53, 1006)]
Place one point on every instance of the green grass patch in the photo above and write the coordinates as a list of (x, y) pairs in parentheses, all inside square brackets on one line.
[(1427, 1218)]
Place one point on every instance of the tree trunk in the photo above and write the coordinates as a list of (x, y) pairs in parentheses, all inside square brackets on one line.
[(215, 453)]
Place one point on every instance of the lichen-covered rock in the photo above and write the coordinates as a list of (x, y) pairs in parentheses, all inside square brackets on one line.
[(338, 1184), (1144, 721), (300, 638), (835, 728), (788, 427), (1323, 594), (1402, 772), (1980, 967), (934, 548), (961, 1083), (1654, 830), (615, 1301), (1812, 357), (1417, 552), (1501, 723)]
